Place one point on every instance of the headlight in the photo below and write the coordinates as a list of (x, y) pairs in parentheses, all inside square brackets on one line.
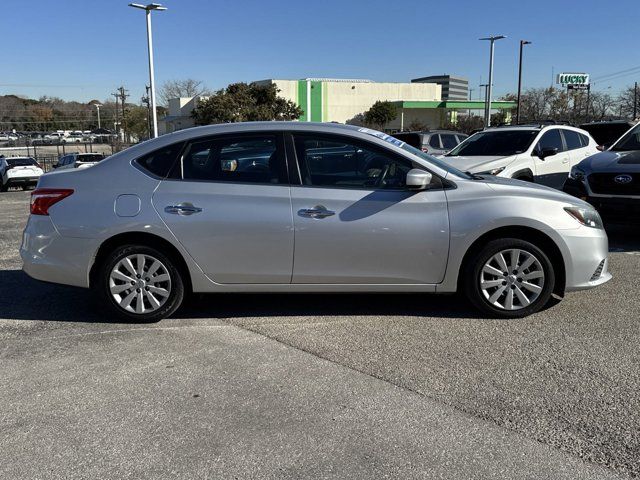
[(576, 173), (586, 216), (495, 171)]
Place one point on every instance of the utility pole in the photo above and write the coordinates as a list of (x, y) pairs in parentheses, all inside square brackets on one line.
[(115, 124), (492, 39), (123, 98), (522, 43)]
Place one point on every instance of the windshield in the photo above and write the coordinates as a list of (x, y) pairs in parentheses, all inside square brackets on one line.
[(629, 141), (21, 162), (499, 143), (438, 163), (90, 158)]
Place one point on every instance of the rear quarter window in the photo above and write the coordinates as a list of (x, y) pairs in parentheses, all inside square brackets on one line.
[(160, 162)]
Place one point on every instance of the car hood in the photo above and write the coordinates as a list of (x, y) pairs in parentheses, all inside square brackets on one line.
[(609, 161), (532, 189), (477, 164)]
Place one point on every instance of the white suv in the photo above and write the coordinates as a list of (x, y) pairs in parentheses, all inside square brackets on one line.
[(543, 154), (18, 171)]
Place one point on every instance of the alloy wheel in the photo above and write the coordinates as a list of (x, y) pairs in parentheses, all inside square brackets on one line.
[(512, 279), (140, 283)]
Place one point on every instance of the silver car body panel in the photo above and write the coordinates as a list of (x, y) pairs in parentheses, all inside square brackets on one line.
[(250, 238)]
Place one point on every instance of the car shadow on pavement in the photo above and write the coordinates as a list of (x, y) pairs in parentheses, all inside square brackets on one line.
[(23, 298), (623, 237)]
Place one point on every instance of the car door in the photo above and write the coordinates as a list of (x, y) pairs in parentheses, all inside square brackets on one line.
[(577, 151), (551, 170), (357, 223), (229, 205)]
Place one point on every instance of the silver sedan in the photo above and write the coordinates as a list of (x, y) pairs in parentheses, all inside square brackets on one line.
[(304, 207)]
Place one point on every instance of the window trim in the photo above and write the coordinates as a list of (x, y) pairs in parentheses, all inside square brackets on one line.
[(443, 184)]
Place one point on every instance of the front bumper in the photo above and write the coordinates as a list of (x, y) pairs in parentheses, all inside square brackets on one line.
[(50, 257), (586, 258), (31, 180)]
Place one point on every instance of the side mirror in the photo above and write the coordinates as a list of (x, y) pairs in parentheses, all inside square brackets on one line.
[(55, 165), (418, 179), (548, 152)]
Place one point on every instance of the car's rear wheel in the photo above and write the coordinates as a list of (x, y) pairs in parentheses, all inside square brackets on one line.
[(509, 278), (140, 284)]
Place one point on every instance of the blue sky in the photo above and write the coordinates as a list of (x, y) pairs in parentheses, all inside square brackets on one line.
[(82, 50)]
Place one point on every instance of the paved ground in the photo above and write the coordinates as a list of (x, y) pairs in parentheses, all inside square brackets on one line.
[(330, 386)]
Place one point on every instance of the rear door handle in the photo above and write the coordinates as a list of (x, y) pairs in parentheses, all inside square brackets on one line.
[(184, 208), (319, 211)]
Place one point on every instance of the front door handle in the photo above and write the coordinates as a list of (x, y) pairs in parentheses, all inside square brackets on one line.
[(184, 208), (319, 211)]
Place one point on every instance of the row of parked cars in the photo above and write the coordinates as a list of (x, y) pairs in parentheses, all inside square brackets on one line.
[(26, 171), (598, 162)]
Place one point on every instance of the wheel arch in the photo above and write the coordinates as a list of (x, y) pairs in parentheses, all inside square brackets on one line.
[(525, 173), (528, 234), (148, 240)]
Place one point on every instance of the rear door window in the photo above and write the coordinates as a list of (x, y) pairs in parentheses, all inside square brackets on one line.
[(448, 140), (573, 139), (241, 159), (434, 141)]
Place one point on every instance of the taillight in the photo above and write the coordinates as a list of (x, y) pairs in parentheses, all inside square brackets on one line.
[(43, 198)]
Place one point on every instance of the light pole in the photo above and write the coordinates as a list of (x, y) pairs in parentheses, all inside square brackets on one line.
[(148, 9), (485, 85), (487, 108), (522, 44), (98, 105)]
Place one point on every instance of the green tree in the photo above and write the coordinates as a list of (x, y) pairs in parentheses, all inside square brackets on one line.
[(380, 114), (242, 102), (136, 121)]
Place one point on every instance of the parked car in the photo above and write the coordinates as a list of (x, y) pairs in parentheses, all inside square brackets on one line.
[(78, 160), (18, 171), (435, 142), (610, 180), (365, 211), (536, 153), (73, 137), (605, 133)]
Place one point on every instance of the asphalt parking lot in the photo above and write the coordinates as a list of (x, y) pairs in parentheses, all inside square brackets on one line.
[(318, 386)]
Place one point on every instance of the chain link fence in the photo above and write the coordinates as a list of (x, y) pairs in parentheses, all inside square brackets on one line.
[(48, 155)]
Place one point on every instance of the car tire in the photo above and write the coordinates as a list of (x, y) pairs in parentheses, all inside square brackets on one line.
[(525, 289), (152, 297), (3, 187)]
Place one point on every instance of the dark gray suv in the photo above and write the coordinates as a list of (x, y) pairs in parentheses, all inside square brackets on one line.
[(610, 180)]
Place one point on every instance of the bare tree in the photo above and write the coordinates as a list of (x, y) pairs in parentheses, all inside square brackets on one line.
[(187, 87)]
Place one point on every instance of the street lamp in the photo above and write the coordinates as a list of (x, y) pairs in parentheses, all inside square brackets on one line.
[(487, 108), (522, 43), (148, 9), (98, 105)]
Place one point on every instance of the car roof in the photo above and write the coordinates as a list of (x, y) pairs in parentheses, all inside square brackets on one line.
[(188, 134)]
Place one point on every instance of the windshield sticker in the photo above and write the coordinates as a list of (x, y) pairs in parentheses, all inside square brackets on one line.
[(382, 136)]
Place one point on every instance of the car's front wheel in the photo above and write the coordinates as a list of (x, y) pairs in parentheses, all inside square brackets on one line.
[(509, 278), (140, 284)]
